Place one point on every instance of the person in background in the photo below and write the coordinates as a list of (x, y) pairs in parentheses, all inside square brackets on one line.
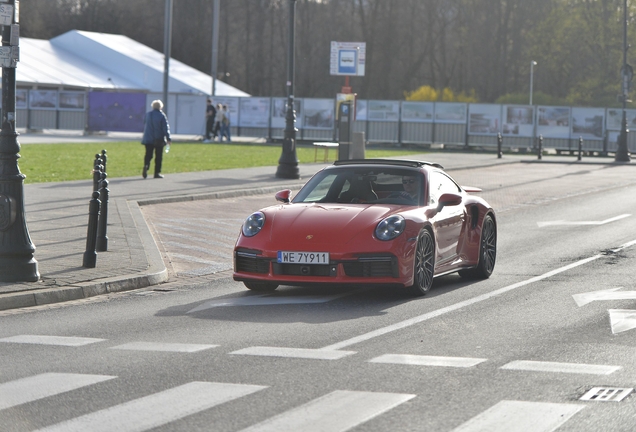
[(225, 125), (217, 121), (156, 136), (210, 120)]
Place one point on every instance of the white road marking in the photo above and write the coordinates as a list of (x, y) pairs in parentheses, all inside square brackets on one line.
[(203, 271), (420, 360), (36, 387), (318, 354), (335, 412), (622, 320), (457, 306), (51, 340), (520, 416), (167, 347), (266, 299), (608, 294), (157, 409), (575, 368), (570, 223)]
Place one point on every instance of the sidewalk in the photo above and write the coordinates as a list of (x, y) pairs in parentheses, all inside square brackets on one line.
[(57, 218)]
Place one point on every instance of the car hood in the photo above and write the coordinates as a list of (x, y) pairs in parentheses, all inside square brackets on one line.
[(323, 223)]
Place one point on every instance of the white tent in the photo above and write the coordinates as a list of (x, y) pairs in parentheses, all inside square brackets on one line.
[(94, 61)]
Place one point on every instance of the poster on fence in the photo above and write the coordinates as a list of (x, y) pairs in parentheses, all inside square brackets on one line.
[(383, 111), (20, 99), (553, 122), (450, 112), (484, 119), (361, 110), (72, 100), (615, 118), (254, 112), (319, 114), (43, 99), (279, 113), (587, 123), (518, 120), (417, 112)]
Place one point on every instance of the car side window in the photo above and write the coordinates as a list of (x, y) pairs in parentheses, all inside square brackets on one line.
[(439, 184)]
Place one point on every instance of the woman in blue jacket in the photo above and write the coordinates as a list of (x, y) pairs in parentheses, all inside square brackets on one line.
[(156, 136)]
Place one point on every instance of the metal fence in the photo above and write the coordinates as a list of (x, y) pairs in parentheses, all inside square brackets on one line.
[(399, 123)]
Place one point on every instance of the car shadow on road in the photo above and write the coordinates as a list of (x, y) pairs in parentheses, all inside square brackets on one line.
[(311, 305)]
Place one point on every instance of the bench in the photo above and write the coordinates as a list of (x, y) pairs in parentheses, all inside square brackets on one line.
[(326, 146)]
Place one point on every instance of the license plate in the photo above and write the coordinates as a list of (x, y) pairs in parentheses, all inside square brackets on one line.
[(289, 257)]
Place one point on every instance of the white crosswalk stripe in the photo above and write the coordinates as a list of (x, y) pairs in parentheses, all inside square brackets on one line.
[(520, 416), (50, 340), (157, 409), (419, 360), (29, 389), (337, 411), (167, 347), (578, 368)]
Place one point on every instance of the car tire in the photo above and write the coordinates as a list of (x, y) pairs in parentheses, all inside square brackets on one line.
[(487, 252), (423, 264), (260, 286)]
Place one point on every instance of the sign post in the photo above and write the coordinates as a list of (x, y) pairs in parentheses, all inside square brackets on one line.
[(347, 59), (16, 250)]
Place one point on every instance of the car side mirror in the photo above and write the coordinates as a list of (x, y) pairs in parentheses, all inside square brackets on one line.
[(283, 196), (449, 199)]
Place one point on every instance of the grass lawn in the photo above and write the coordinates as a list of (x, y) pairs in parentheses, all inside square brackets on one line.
[(64, 162)]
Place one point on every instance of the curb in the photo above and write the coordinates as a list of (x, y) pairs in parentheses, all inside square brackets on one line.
[(155, 274)]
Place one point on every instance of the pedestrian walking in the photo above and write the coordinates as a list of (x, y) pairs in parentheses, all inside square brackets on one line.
[(156, 136), (225, 125), (210, 120), (217, 121)]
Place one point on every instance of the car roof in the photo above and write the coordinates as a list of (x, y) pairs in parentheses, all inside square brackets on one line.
[(390, 162)]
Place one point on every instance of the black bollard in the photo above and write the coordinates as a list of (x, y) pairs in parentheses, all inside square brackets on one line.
[(540, 153), (98, 168), (499, 143), (104, 159), (580, 147), (102, 240), (90, 256)]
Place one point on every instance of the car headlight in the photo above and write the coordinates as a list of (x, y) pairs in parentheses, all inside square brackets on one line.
[(390, 228), (253, 224)]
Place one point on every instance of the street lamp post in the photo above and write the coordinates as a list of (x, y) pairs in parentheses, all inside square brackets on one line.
[(622, 154), (288, 162), (532, 65), (16, 250)]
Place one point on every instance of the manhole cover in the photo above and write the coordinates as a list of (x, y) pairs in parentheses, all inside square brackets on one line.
[(606, 394)]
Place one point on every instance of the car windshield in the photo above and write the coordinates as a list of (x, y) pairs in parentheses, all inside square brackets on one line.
[(366, 185)]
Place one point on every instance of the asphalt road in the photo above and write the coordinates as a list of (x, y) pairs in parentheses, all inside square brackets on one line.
[(516, 352)]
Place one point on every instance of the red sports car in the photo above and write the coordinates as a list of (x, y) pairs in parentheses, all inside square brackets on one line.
[(371, 221)]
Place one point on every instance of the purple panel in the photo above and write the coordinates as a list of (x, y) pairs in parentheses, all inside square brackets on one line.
[(118, 112)]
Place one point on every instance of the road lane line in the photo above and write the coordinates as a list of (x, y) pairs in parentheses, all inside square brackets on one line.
[(420, 360), (318, 354), (165, 347), (157, 409), (50, 340), (457, 306), (520, 416), (335, 412), (36, 387), (541, 366)]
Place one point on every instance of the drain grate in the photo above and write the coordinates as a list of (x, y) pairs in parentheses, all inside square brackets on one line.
[(606, 394)]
